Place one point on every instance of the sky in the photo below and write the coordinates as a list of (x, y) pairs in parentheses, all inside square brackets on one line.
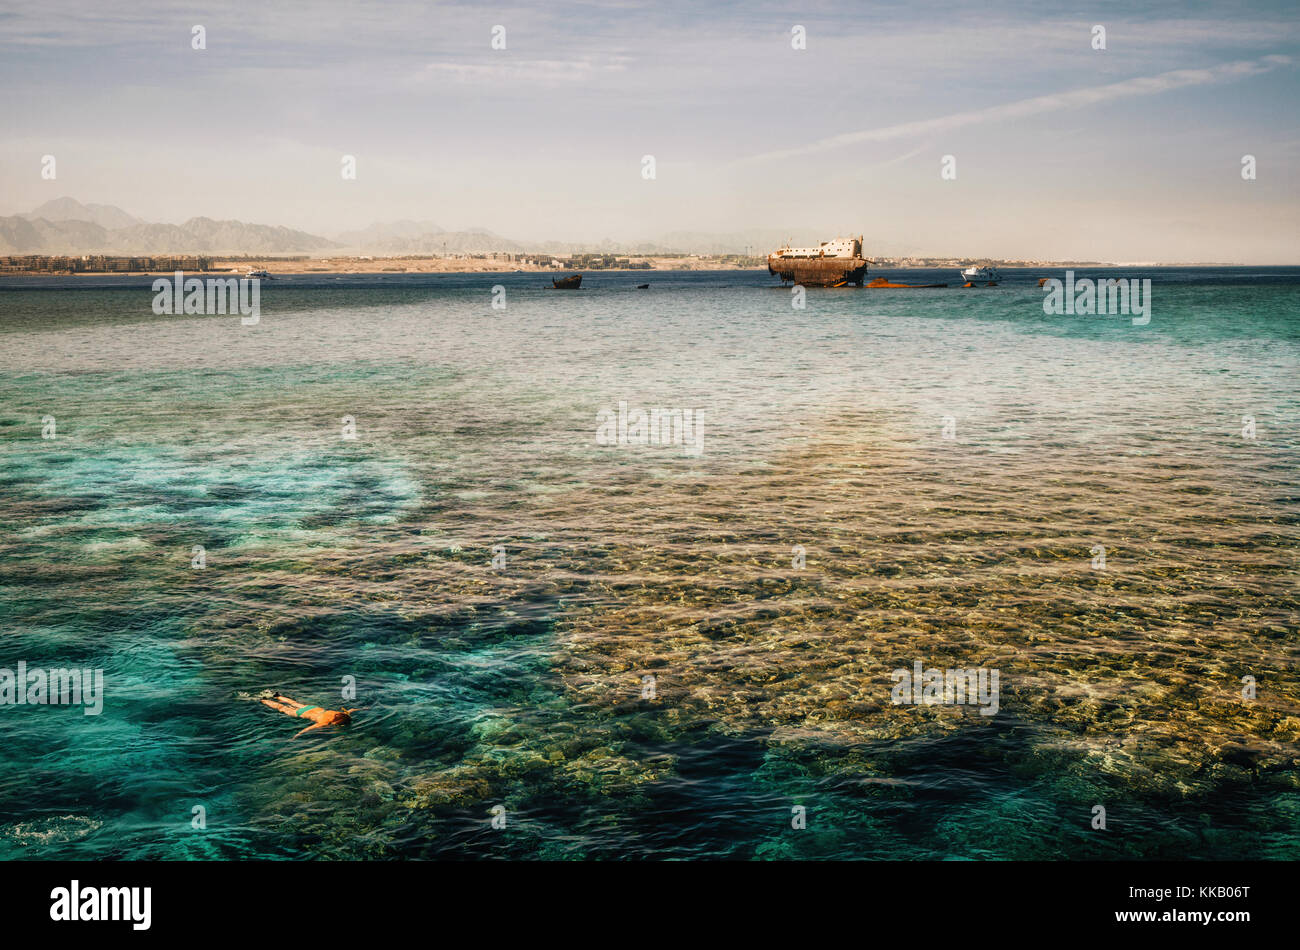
[(1061, 151)]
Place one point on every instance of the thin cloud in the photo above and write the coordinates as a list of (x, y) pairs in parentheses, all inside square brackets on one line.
[(534, 71), (1056, 102)]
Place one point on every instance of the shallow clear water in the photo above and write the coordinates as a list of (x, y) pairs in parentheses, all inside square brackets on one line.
[(823, 427)]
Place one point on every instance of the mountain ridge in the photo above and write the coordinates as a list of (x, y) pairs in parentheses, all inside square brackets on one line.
[(66, 226)]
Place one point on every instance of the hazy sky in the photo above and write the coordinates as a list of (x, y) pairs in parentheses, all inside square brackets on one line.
[(1062, 151)]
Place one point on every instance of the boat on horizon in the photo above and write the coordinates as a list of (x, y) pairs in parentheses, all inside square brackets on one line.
[(572, 282), (980, 275), (258, 274)]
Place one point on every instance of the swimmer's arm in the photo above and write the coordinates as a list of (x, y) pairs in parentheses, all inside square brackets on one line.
[(308, 729)]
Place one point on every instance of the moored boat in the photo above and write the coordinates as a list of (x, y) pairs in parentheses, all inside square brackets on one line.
[(980, 275), (572, 282)]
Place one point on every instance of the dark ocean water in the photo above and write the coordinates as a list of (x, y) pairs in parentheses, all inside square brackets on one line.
[(947, 460)]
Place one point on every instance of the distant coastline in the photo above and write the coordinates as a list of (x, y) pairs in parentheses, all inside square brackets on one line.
[(79, 265), (65, 236)]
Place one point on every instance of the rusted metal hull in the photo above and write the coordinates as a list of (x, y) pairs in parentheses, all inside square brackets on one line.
[(819, 272), (568, 283)]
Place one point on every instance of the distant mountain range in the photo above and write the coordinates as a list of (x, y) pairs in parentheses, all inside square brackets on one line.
[(397, 238), (70, 209), (65, 226)]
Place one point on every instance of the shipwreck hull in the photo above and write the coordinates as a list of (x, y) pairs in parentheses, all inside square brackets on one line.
[(819, 272)]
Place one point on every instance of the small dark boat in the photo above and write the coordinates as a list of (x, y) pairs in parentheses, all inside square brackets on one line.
[(642, 286), (567, 283)]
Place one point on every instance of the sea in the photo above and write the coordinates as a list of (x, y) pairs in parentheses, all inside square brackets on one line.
[(640, 574)]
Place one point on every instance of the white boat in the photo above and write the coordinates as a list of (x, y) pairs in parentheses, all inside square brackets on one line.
[(985, 274), (258, 274)]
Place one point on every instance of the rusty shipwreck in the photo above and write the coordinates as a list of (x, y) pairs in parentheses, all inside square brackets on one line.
[(836, 263)]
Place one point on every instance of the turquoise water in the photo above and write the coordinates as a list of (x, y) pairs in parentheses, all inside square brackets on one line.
[(522, 686)]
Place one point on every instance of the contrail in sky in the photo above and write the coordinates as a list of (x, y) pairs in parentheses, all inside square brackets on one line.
[(1129, 88)]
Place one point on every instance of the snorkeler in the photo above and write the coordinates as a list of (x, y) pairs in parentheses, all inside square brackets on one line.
[(319, 717)]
